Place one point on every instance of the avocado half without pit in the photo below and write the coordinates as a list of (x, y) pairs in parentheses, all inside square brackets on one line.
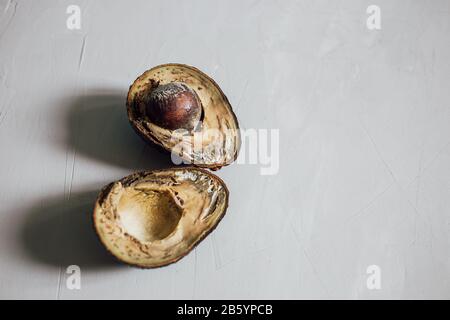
[(154, 218), (183, 111)]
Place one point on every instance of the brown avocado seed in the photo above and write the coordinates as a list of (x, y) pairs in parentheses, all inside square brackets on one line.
[(173, 106)]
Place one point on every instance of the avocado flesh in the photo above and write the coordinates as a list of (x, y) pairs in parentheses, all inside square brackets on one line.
[(154, 218), (219, 132)]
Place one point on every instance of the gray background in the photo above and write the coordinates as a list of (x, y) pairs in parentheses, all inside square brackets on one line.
[(364, 153)]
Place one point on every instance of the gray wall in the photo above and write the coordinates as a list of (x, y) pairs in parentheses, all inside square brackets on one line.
[(363, 117)]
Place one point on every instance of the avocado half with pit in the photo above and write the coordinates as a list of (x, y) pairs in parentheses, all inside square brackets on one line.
[(182, 110), (154, 218)]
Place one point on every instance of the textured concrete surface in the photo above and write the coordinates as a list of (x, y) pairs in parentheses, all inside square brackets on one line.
[(364, 120)]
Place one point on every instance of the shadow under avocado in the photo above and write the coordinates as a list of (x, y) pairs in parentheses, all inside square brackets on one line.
[(60, 232), (98, 127)]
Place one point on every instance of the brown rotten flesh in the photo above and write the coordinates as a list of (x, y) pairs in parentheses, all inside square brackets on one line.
[(183, 111), (154, 218)]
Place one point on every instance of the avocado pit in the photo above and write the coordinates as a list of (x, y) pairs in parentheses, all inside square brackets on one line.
[(172, 106)]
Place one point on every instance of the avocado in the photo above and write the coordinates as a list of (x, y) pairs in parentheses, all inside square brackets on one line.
[(154, 218), (183, 111)]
